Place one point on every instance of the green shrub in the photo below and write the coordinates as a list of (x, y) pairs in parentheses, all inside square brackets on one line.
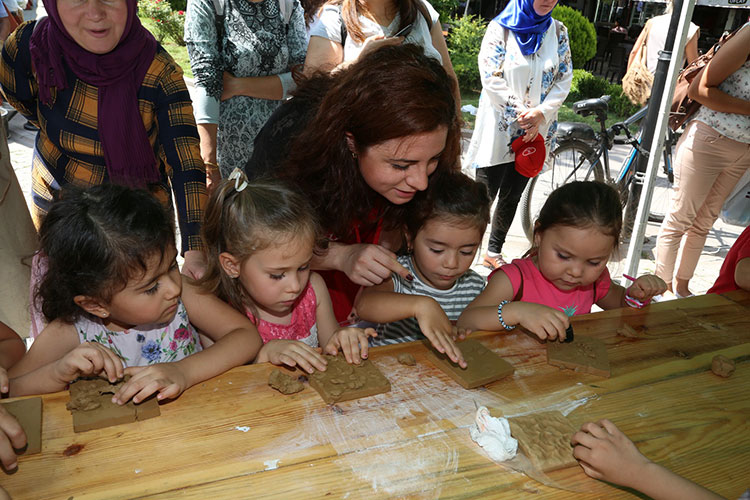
[(178, 5), (464, 42), (586, 85), (446, 8), (619, 103), (168, 23), (581, 33)]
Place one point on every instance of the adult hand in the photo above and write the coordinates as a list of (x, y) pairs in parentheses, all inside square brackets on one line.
[(292, 353), (11, 437), (167, 379), (606, 453), (438, 329), (368, 265), (353, 342), (90, 358), (530, 121), (231, 86), (194, 265), (374, 42)]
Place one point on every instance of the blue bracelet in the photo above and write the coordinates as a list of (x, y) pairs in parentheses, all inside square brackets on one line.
[(500, 315)]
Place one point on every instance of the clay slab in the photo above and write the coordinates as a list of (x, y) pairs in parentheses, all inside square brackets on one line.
[(483, 365), (585, 354), (28, 412), (92, 407), (545, 439), (344, 382)]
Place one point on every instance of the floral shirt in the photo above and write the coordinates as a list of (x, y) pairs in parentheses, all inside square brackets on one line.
[(146, 344), (513, 83)]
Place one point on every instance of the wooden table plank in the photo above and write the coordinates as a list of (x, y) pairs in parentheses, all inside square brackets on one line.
[(219, 437)]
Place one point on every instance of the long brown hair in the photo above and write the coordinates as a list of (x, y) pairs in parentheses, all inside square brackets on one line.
[(391, 93), (352, 9)]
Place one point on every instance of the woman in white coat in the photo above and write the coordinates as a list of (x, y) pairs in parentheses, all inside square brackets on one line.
[(526, 72)]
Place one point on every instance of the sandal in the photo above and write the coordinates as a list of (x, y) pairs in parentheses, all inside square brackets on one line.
[(493, 262)]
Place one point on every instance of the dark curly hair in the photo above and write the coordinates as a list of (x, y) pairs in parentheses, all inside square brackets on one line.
[(95, 241)]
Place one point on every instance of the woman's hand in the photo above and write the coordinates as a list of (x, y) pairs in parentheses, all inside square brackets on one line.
[(12, 438), (438, 329), (366, 264), (543, 321), (292, 353), (646, 286), (90, 358), (231, 86), (167, 379), (194, 265), (374, 42), (353, 342), (530, 121), (604, 452)]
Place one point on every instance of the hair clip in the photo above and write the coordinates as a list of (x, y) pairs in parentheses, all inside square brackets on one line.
[(240, 182)]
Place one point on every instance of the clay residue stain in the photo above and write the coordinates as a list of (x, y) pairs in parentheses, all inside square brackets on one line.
[(73, 449)]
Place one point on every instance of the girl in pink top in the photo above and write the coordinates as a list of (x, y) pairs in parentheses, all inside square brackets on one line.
[(259, 242), (565, 272)]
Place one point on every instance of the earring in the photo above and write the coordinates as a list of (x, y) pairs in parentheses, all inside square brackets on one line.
[(105, 314), (354, 155)]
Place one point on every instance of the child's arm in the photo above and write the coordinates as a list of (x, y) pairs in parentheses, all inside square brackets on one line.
[(605, 453), (742, 273), (237, 342), (56, 358), (643, 289), (481, 314), (353, 342), (12, 349), (381, 304)]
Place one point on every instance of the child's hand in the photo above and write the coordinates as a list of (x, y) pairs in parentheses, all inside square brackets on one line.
[(543, 321), (292, 353), (604, 452), (4, 388), (353, 342), (167, 379), (460, 333), (438, 329), (646, 286), (90, 358), (11, 436)]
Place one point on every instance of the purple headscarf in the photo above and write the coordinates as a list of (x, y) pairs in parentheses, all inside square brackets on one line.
[(529, 27), (118, 75)]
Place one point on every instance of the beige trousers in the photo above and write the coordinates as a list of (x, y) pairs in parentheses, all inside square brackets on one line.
[(707, 167)]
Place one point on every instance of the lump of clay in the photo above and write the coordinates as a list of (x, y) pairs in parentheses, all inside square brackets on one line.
[(284, 383), (406, 359), (722, 366)]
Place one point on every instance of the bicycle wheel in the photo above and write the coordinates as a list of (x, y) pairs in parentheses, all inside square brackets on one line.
[(570, 161)]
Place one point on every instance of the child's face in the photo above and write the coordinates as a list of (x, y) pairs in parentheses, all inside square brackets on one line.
[(444, 251), (571, 257), (276, 276), (150, 298)]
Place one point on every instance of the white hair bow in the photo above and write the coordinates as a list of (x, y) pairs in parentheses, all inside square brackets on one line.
[(240, 182)]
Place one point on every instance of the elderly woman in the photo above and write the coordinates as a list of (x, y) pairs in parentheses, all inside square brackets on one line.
[(111, 105)]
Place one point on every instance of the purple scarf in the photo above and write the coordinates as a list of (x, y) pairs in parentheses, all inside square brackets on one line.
[(118, 75)]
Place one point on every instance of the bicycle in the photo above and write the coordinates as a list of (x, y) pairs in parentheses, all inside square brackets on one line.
[(583, 154)]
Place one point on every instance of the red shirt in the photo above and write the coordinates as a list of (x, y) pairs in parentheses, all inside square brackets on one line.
[(740, 250)]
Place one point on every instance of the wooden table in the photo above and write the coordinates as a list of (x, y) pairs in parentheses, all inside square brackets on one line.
[(234, 437)]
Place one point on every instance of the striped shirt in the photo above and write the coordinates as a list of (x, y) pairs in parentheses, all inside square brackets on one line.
[(68, 149), (453, 301)]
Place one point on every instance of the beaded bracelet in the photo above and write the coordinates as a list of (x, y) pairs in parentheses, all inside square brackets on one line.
[(500, 315)]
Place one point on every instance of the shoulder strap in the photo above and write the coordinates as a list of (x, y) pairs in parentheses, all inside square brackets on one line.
[(286, 7), (343, 28), (421, 7)]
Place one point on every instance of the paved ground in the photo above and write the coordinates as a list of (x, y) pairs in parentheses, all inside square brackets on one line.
[(720, 239)]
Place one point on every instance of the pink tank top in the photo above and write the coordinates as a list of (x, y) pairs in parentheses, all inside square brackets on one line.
[(302, 326)]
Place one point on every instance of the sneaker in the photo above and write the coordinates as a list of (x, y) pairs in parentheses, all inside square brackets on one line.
[(493, 262)]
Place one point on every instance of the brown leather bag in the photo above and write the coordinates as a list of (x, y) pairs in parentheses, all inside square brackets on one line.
[(684, 107)]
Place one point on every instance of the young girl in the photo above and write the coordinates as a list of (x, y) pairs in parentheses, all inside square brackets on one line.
[(259, 242), (117, 303), (565, 273), (444, 234)]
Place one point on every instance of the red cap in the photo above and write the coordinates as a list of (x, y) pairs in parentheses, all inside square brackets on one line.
[(529, 155)]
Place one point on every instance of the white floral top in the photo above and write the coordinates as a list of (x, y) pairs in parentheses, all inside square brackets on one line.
[(513, 83), (732, 125), (147, 344)]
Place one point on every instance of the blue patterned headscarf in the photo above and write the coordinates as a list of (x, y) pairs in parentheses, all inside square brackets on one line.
[(529, 27)]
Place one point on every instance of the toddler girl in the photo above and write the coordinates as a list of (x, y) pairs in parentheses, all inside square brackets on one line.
[(444, 232), (565, 272), (259, 242), (117, 303)]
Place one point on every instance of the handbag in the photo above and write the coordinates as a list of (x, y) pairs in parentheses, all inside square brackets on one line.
[(637, 82), (683, 107)]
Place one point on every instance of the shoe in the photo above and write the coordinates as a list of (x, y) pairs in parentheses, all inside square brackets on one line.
[(683, 296), (30, 126), (493, 262)]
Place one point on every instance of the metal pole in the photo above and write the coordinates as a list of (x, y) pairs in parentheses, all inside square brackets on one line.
[(655, 126)]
